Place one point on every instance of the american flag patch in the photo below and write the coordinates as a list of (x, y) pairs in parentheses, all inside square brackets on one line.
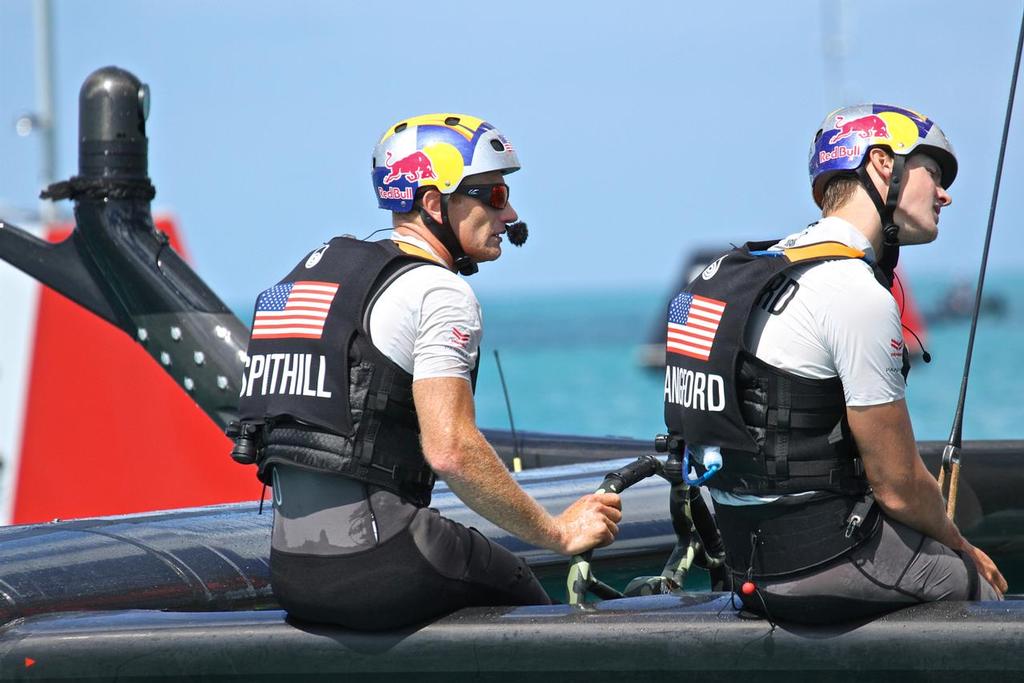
[(293, 310), (692, 323)]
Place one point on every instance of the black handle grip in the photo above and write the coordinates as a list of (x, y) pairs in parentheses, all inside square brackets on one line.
[(624, 477)]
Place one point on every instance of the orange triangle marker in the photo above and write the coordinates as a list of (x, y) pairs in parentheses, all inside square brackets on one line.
[(29, 662)]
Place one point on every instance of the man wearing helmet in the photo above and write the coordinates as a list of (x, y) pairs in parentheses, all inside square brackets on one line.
[(825, 507), (358, 392)]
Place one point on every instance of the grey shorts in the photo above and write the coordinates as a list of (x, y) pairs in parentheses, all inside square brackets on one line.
[(896, 568)]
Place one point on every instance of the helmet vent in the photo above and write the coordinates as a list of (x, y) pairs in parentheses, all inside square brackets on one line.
[(496, 144), (452, 121), (400, 127)]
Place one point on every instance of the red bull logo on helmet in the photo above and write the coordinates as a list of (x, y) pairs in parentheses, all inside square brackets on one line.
[(870, 126), (404, 193), (413, 168), (839, 153)]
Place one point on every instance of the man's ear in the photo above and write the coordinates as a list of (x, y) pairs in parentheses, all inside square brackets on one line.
[(881, 162), (431, 203)]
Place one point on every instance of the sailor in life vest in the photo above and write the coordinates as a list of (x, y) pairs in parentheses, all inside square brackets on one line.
[(358, 392), (786, 368)]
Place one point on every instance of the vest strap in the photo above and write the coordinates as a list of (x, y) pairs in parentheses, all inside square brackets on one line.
[(321, 451)]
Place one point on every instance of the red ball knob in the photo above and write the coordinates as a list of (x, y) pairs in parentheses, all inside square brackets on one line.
[(748, 588)]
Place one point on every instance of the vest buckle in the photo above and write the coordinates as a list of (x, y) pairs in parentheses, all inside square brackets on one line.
[(859, 513), (245, 450)]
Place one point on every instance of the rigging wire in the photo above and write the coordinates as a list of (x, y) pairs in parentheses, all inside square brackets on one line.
[(951, 454), (517, 461)]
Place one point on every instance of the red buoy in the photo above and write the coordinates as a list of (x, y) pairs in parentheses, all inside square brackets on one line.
[(748, 588)]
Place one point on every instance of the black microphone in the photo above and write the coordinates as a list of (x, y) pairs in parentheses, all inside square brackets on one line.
[(517, 233), (925, 356)]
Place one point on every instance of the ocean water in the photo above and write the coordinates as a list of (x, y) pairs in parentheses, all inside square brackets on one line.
[(571, 363)]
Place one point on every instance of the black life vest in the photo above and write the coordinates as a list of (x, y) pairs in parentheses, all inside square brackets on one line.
[(779, 433), (327, 399)]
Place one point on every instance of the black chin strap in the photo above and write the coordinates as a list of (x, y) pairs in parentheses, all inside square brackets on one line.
[(446, 235), (886, 210)]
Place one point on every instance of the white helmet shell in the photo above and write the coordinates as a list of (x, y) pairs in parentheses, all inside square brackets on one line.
[(436, 150)]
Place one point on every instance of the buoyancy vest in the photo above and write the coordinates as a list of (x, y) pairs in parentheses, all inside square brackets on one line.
[(779, 433), (326, 399)]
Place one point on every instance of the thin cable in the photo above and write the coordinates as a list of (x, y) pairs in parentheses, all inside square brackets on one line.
[(951, 453), (517, 462), (958, 419), (374, 233), (903, 293)]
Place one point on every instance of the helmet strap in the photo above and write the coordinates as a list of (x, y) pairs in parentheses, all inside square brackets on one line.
[(886, 211), (445, 233)]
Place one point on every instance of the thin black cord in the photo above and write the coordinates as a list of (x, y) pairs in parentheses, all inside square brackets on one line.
[(925, 356), (508, 406), (903, 294), (374, 233), (755, 538)]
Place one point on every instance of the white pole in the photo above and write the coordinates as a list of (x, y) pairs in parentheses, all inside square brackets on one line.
[(44, 103)]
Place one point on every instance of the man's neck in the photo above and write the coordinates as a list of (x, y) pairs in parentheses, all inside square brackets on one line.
[(423, 233), (860, 212)]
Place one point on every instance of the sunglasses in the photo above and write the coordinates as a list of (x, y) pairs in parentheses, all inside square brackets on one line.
[(494, 195)]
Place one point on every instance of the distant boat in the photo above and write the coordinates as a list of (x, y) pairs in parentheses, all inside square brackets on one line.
[(957, 303)]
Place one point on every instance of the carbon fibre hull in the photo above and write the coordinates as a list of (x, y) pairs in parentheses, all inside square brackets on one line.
[(691, 637)]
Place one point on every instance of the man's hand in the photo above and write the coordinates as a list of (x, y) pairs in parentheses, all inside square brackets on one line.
[(590, 522), (459, 454), (987, 568)]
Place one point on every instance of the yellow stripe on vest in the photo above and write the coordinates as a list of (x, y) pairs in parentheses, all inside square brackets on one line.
[(822, 250), (413, 250)]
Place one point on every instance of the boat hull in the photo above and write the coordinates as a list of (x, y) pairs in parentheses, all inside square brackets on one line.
[(692, 637)]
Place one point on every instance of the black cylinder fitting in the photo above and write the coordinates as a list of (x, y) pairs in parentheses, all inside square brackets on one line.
[(112, 109)]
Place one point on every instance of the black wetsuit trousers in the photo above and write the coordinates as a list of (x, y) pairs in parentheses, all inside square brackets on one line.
[(895, 568), (430, 568)]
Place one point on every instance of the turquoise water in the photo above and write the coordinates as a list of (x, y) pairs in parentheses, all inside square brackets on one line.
[(571, 364)]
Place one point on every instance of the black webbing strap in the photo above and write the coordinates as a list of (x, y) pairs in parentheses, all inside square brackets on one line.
[(444, 232), (886, 211), (797, 420), (783, 402), (316, 449)]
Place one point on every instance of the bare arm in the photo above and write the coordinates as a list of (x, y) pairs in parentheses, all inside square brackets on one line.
[(903, 487), (459, 454)]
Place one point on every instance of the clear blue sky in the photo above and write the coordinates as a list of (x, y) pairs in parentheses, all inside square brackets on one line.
[(645, 128)]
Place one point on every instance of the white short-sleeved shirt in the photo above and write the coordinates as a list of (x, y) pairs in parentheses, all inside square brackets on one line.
[(839, 323), (428, 321)]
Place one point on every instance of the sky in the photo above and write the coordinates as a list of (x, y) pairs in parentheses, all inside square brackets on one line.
[(645, 129)]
